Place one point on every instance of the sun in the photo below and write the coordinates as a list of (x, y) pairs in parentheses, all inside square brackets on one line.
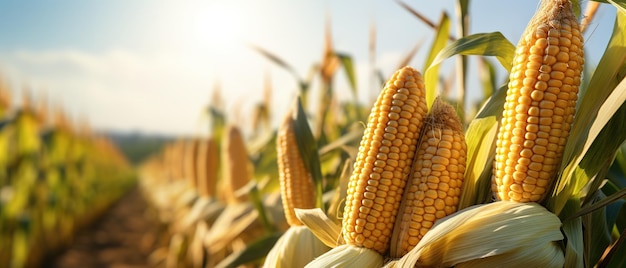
[(218, 26)]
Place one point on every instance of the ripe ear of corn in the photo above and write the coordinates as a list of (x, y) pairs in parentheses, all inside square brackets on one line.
[(296, 182), (383, 163), (434, 187), (175, 156), (540, 104), (381, 169), (208, 166), (236, 171), (190, 160), (298, 245)]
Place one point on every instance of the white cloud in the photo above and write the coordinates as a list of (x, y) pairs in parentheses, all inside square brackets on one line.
[(118, 89)]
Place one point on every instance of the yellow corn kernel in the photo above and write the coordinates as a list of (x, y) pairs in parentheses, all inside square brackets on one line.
[(433, 190), (296, 182), (384, 161), (551, 77), (236, 173)]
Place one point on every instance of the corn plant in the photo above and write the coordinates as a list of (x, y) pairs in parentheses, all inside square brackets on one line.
[(532, 174)]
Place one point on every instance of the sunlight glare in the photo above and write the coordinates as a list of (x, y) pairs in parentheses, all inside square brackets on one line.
[(218, 27)]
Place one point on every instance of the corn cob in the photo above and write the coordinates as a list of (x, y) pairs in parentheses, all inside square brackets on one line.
[(435, 186), (298, 245), (168, 152), (296, 182), (174, 159), (540, 104), (235, 156), (207, 168), (384, 161), (190, 161)]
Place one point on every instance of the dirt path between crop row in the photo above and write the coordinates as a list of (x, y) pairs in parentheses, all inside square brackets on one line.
[(123, 238)]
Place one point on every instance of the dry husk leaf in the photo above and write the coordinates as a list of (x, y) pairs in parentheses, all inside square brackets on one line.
[(295, 248), (499, 234)]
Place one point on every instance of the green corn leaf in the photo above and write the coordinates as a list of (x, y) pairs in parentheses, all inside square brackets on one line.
[(480, 139), (20, 248), (278, 61), (432, 71), (307, 146), (619, 4), (576, 7), (605, 137), (574, 248), (28, 142), (612, 209), (597, 160), (257, 201), (218, 123), (620, 221), (595, 110), (597, 233), (605, 78), (483, 44), (605, 201), (463, 6), (348, 67), (264, 158), (353, 135), (616, 256), (487, 73), (494, 104), (617, 172)]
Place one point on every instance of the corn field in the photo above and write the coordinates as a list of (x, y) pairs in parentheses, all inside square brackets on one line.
[(532, 175), (56, 177)]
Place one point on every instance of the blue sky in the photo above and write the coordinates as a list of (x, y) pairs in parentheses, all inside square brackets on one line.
[(151, 65)]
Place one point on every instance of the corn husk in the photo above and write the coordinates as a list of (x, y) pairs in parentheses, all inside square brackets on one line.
[(196, 253), (499, 234), (233, 221), (329, 232), (175, 251), (348, 256), (203, 209), (325, 229), (295, 248)]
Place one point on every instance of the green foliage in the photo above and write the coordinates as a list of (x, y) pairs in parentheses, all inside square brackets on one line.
[(589, 197), (307, 146), (589, 222), (480, 137), (137, 147), (348, 66), (592, 124), (53, 182), (431, 75), (483, 44)]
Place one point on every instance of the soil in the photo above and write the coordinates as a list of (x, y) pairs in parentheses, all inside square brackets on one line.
[(124, 237)]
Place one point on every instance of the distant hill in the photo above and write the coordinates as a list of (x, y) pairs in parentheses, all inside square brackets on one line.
[(138, 146)]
